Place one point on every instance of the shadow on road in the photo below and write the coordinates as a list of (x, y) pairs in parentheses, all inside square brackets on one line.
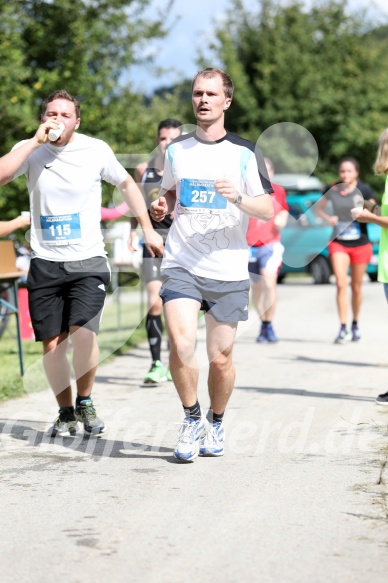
[(344, 362), (248, 341), (97, 447), (304, 393)]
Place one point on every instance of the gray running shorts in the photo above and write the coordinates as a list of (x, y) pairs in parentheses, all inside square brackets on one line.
[(226, 301)]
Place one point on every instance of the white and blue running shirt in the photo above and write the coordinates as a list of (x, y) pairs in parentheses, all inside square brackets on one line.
[(208, 234), (64, 184)]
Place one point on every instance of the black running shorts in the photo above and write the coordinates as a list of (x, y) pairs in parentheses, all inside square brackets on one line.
[(64, 294)]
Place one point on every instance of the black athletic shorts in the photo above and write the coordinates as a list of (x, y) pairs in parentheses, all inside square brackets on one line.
[(67, 293)]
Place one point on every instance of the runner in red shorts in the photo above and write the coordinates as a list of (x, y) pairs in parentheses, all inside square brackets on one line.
[(350, 246), (266, 254)]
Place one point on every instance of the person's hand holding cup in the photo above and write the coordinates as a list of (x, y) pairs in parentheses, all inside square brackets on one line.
[(55, 133), (25, 218)]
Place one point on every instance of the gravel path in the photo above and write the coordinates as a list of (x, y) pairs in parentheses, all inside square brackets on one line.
[(294, 499)]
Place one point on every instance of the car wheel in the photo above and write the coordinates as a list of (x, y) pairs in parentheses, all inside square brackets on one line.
[(320, 270), (373, 276), (281, 277)]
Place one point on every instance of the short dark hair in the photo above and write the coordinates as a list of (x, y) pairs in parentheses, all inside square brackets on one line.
[(169, 123), (209, 72), (61, 94), (350, 159)]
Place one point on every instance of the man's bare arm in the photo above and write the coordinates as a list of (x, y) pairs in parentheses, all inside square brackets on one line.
[(259, 207), (135, 201), (11, 162)]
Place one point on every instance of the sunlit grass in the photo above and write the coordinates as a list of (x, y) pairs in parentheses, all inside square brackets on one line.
[(121, 328)]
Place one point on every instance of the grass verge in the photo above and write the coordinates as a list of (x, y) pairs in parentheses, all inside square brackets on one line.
[(121, 328)]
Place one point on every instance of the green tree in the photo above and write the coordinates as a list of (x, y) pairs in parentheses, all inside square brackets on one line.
[(322, 68)]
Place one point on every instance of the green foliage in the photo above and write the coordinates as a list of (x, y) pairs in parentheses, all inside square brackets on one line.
[(86, 47), (322, 68)]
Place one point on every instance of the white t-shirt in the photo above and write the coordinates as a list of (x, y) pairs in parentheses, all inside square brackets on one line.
[(65, 197), (208, 234)]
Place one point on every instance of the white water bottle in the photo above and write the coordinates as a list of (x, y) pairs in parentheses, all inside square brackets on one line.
[(54, 134)]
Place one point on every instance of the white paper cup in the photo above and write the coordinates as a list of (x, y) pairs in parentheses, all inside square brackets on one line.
[(25, 214), (53, 135)]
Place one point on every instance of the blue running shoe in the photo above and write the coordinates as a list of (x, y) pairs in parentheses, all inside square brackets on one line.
[(271, 336), (355, 333), (190, 433), (212, 443), (262, 337)]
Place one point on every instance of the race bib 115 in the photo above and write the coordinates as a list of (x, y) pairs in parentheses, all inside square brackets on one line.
[(61, 229)]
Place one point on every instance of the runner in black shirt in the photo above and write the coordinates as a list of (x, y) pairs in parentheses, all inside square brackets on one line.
[(148, 176)]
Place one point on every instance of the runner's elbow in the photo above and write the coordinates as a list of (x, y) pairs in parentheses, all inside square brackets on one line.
[(5, 178), (267, 212)]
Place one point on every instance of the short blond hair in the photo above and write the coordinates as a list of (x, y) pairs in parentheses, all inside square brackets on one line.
[(381, 164), (209, 72)]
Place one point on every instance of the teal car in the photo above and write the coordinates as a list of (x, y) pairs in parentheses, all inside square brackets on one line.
[(306, 237)]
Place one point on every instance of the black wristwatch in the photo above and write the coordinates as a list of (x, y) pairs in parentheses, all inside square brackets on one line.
[(238, 199)]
